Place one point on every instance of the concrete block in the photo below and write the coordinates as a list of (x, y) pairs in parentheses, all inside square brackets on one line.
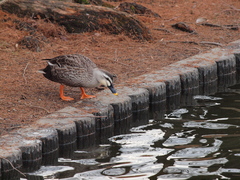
[(157, 92), (237, 56), (122, 107), (171, 79), (63, 122), (189, 76), (139, 97), (104, 119), (31, 150), (49, 139), (86, 132), (140, 104), (207, 70), (226, 65), (157, 96), (11, 156)]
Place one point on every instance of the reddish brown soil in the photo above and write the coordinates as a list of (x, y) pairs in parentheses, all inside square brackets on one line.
[(26, 95)]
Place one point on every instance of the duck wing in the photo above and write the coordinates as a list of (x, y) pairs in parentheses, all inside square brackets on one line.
[(72, 61), (72, 70)]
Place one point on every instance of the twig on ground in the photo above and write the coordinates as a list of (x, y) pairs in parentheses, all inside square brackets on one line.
[(38, 107), (197, 43), (13, 166), (190, 42), (211, 25), (166, 20), (230, 26), (116, 60), (161, 29), (232, 9), (199, 50), (211, 43), (24, 72), (121, 63)]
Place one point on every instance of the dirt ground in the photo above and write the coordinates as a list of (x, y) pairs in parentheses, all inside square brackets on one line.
[(26, 96)]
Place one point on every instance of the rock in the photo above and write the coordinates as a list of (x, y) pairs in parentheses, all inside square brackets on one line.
[(78, 18)]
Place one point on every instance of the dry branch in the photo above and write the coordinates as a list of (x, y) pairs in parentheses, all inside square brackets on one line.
[(232, 9), (13, 166), (197, 43), (32, 106), (230, 26), (24, 72), (211, 43), (164, 30)]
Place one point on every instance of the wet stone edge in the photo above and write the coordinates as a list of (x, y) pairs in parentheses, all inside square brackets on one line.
[(93, 121)]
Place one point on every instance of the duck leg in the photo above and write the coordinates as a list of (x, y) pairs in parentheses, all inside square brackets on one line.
[(65, 98), (84, 95)]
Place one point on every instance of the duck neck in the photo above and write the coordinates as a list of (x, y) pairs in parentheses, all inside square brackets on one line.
[(97, 74)]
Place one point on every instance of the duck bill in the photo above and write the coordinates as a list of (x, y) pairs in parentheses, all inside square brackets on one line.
[(113, 90)]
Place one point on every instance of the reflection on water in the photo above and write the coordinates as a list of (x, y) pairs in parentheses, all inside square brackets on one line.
[(192, 142)]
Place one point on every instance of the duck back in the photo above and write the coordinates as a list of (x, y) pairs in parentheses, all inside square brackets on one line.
[(72, 70)]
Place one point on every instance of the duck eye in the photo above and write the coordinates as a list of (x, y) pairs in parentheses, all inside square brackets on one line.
[(108, 79), (108, 82)]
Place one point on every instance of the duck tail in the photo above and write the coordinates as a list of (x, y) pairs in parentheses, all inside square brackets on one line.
[(41, 71), (49, 63)]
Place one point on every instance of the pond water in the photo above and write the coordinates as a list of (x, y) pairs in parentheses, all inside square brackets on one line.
[(191, 142)]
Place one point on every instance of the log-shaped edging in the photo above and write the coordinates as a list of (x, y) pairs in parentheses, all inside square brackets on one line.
[(48, 138), (140, 104), (63, 122), (157, 98), (166, 88), (122, 110), (10, 156), (104, 120), (31, 151)]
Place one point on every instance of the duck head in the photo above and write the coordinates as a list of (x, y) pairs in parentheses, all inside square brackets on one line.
[(106, 79)]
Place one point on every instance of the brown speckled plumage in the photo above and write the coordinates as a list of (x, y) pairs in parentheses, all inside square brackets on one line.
[(76, 70), (72, 70)]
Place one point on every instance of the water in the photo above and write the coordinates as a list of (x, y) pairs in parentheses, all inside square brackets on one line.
[(192, 142)]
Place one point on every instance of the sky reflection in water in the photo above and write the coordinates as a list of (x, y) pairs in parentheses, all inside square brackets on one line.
[(190, 143)]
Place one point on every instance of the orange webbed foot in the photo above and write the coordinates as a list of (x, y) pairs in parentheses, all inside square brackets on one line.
[(84, 95), (65, 98)]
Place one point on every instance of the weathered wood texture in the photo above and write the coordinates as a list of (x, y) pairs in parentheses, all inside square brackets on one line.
[(79, 18)]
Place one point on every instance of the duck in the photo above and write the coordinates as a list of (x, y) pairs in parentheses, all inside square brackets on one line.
[(76, 70)]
